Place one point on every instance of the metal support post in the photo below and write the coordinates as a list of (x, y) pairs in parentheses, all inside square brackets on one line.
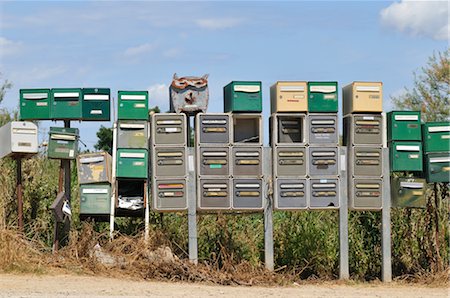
[(386, 267), (268, 208), (19, 193), (192, 202), (114, 184), (343, 217)]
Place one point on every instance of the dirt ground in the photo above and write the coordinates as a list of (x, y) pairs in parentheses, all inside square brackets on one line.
[(91, 286)]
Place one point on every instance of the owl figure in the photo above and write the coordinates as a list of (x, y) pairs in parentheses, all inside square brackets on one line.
[(189, 94)]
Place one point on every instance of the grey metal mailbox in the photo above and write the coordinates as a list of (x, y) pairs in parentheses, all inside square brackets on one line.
[(323, 161), (247, 129), (18, 138), (366, 161), (365, 194), (290, 129), (213, 128), (247, 161), (289, 161), (94, 168), (169, 162), (214, 161), (169, 194), (291, 194), (168, 129), (214, 194), (365, 129), (247, 194), (132, 134), (323, 129), (324, 193)]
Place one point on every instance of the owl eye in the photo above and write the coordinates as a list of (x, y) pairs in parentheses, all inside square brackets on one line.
[(181, 83)]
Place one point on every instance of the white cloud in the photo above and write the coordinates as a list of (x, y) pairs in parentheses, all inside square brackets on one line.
[(218, 23), (420, 18), (172, 53), (9, 47), (139, 50), (159, 96)]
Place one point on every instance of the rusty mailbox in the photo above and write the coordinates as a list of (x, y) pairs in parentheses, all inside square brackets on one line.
[(94, 168), (189, 94)]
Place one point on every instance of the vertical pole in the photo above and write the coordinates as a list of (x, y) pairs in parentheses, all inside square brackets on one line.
[(56, 232), (114, 184), (191, 198), (386, 267), (19, 193), (268, 210), (146, 211), (344, 273), (67, 189)]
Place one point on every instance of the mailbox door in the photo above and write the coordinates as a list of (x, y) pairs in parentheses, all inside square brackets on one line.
[(289, 97), (24, 137), (322, 97), (243, 97), (291, 194), (323, 161), (436, 136), (66, 104), (324, 194), (367, 161), (213, 128), (437, 167), (169, 129), (169, 162), (35, 104), (408, 192), (247, 161), (132, 163), (406, 156), (94, 168), (214, 161), (169, 194), (247, 194), (323, 129), (291, 129), (63, 143), (289, 161), (133, 105), (404, 126), (366, 194), (361, 97), (132, 134), (247, 129), (95, 199), (214, 194), (363, 130), (96, 104)]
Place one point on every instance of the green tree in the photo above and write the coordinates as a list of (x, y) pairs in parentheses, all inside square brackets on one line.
[(105, 139), (5, 116), (5, 85)]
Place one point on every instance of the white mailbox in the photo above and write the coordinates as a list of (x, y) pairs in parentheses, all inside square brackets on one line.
[(18, 138)]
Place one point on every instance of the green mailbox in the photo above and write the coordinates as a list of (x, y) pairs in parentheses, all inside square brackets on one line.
[(408, 192), (35, 104), (132, 163), (95, 199), (96, 104), (240, 96), (437, 167), (436, 136), (405, 156), (404, 126), (66, 104), (63, 143), (322, 97), (133, 105)]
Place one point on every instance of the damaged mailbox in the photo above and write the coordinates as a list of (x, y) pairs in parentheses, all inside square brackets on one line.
[(189, 94)]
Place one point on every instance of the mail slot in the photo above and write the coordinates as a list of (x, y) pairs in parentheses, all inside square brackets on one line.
[(133, 105), (289, 97), (63, 143), (404, 126), (323, 129), (437, 167), (323, 161), (291, 194), (247, 194), (408, 192), (35, 104), (323, 97), (242, 96), (132, 163), (324, 193), (364, 129), (247, 129), (436, 136), (362, 97), (189, 94), (95, 199), (131, 195), (213, 128), (366, 161), (168, 129), (66, 104), (291, 129), (214, 194), (18, 138), (214, 161), (94, 168), (169, 194), (365, 194), (405, 156), (169, 162), (247, 161), (132, 134), (289, 161), (96, 104)]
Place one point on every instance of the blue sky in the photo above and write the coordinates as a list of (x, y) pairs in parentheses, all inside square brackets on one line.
[(139, 45)]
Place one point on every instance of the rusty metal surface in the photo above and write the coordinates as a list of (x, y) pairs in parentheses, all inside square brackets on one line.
[(94, 168), (189, 94)]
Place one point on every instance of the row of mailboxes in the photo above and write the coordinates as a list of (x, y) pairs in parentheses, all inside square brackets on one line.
[(88, 104), (362, 97), (363, 129), (409, 192), (19, 138), (132, 105), (63, 143), (405, 156), (94, 168), (436, 136)]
